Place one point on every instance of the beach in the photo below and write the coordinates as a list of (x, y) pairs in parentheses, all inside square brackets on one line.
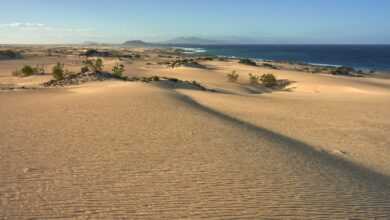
[(314, 146)]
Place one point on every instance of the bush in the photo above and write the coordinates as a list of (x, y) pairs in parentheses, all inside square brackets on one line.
[(253, 79), (232, 77), (94, 65), (247, 62), (58, 71), (137, 56), (268, 79), (27, 70), (118, 70)]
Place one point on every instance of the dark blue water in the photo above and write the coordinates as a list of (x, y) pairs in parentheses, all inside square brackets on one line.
[(375, 57)]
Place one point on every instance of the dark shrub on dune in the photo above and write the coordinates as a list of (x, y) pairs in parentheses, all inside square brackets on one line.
[(9, 53), (247, 62), (343, 70)]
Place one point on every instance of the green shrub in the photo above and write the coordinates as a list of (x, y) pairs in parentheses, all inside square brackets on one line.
[(137, 56), (268, 79), (27, 70), (253, 79), (232, 77), (118, 70), (58, 71)]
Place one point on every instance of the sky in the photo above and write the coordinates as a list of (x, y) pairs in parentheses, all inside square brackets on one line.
[(235, 21)]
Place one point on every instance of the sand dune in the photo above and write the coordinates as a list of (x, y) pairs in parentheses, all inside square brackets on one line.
[(152, 150)]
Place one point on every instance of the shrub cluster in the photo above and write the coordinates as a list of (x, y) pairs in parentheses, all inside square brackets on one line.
[(28, 70), (268, 79), (343, 70)]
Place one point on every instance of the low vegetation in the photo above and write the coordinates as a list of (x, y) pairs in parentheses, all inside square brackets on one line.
[(253, 79), (268, 79), (247, 62), (58, 71), (29, 70), (93, 65), (118, 70), (9, 53), (343, 70), (232, 77), (186, 63)]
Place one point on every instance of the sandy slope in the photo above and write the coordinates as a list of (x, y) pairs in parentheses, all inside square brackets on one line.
[(136, 150)]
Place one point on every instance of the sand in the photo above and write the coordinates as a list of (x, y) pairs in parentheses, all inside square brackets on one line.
[(318, 148)]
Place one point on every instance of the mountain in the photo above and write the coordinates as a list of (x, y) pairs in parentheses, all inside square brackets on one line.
[(190, 40), (135, 43)]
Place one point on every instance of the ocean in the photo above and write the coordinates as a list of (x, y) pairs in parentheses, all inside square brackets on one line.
[(373, 57)]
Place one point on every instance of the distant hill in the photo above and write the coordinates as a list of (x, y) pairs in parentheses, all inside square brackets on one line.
[(190, 40), (135, 43)]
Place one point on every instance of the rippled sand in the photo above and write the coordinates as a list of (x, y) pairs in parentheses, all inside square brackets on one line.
[(124, 150), (154, 150)]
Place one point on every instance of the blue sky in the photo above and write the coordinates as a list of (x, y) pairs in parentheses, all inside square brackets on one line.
[(241, 21)]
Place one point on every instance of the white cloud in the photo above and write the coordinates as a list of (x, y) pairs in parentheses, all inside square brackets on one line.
[(21, 25), (26, 26)]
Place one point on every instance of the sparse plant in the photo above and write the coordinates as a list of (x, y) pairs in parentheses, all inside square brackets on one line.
[(58, 71), (253, 79), (38, 70), (99, 65), (268, 79), (232, 77), (137, 55), (118, 70), (16, 72), (94, 65)]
